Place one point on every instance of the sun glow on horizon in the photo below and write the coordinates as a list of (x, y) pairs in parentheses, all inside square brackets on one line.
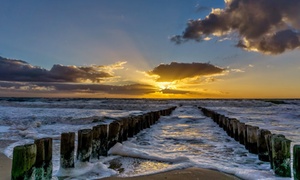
[(166, 85)]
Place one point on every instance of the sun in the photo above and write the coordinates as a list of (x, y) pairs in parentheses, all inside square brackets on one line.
[(166, 85)]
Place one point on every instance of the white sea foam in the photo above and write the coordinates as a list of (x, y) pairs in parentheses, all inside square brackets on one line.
[(120, 149), (86, 170)]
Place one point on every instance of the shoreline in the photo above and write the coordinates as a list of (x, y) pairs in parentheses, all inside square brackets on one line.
[(189, 173), (192, 173)]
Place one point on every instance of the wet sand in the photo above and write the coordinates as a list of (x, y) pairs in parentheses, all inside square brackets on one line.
[(190, 173), (5, 167)]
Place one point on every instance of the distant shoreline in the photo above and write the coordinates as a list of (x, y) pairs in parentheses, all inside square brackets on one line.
[(137, 98)]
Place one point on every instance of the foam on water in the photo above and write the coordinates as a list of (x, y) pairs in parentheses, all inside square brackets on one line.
[(85, 170), (123, 150), (187, 133), (185, 139), (4, 129)]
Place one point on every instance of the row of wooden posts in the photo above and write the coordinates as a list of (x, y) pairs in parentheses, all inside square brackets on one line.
[(273, 148), (35, 160)]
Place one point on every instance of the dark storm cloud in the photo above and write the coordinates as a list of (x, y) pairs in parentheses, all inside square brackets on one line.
[(177, 71), (17, 70), (267, 26), (132, 89)]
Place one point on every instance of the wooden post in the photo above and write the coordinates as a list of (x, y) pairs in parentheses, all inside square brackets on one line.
[(262, 149), (130, 127), (139, 123), (216, 117), (43, 163), (151, 116), (96, 142), (24, 158), (120, 138), (125, 128), (246, 137), (113, 134), (156, 116), (234, 125), (84, 149), (221, 121), (103, 139), (136, 126), (252, 139), (241, 132), (226, 125), (296, 162), (281, 155), (67, 150), (268, 138)]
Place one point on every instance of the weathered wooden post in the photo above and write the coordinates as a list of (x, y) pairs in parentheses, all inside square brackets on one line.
[(152, 118), (252, 139), (296, 162), (156, 116), (67, 150), (234, 125), (246, 137), (216, 117), (24, 158), (139, 126), (96, 143), (281, 155), (262, 149), (125, 129), (268, 138), (120, 138), (241, 132), (130, 126), (113, 134), (43, 163), (147, 119), (84, 149), (226, 125), (103, 139), (221, 121)]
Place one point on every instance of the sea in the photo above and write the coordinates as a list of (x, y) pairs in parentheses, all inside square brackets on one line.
[(184, 139)]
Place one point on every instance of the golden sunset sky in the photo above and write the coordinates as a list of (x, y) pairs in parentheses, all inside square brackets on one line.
[(150, 49)]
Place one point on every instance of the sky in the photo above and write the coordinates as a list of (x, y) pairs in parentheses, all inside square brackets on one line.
[(150, 48)]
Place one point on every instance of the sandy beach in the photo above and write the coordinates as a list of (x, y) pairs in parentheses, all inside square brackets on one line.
[(5, 167), (190, 173)]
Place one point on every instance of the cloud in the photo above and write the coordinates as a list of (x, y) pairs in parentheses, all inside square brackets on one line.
[(174, 91), (237, 70), (17, 76), (21, 71), (132, 89), (265, 26), (200, 8), (178, 71)]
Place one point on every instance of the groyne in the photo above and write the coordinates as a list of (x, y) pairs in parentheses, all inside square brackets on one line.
[(273, 148), (34, 161)]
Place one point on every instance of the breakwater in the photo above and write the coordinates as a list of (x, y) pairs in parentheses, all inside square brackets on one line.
[(273, 148), (35, 160)]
